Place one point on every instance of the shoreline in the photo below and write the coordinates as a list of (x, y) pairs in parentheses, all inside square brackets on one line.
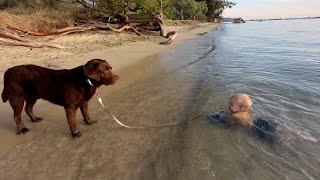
[(122, 58)]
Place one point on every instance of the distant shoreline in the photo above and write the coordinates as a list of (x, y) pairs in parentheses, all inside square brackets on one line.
[(283, 19), (271, 19)]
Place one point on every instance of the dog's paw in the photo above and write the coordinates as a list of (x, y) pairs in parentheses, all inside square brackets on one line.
[(91, 122), (37, 119), (76, 134), (23, 130)]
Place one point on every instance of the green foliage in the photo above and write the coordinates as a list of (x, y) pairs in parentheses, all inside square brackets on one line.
[(216, 7), (185, 9), (118, 7), (171, 9), (145, 6), (8, 4), (33, 4), (110, 7)]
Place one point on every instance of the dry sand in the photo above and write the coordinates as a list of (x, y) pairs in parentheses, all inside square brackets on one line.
[(124, 52)]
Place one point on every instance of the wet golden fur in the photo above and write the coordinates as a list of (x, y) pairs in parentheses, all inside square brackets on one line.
[(239, 106)]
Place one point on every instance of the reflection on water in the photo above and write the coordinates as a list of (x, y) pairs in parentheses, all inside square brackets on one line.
[(277, 63)]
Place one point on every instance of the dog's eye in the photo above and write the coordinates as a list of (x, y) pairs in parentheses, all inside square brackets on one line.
[(108, 68)]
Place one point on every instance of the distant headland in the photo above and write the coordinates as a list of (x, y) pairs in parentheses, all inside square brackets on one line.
[(271, 19), (278, 19)]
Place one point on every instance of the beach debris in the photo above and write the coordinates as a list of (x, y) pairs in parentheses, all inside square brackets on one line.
[(170, 37), (16, 36), (15, 40), (146, 22), (66, 30), (107, 26)]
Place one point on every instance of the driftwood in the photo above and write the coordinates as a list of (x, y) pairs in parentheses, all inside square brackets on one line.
[(170, 37), (5, 34), (106, 26), (70, 32), (29, 44), (135, 18), (52, 32), (124, 28), (130, 17), (13, 39)]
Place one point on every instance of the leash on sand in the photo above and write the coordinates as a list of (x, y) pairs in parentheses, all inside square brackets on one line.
[(124, 125)]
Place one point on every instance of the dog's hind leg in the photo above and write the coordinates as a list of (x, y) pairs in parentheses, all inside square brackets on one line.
[(30, 102), (17, 106)]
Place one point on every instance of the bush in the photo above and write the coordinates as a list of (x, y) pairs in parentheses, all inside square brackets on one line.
[(8, 4), (186, 9), (172, 9)]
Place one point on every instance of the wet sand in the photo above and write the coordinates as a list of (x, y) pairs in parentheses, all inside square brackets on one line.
[(105, 149)]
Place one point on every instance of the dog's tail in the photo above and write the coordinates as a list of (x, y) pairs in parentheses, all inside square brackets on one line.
[(4, 94)]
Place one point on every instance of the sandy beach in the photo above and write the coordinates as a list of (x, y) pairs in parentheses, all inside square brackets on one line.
[(128, 55)]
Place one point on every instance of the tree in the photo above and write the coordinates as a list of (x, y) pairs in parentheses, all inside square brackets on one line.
[(172, 9), (216, 7), (186, 9)]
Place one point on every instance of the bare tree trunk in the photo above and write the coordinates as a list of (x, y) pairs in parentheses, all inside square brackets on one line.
[(160, 8), (181, 14), (127, 9)]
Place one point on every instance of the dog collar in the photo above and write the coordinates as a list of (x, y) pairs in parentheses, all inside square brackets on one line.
[(89, 82)]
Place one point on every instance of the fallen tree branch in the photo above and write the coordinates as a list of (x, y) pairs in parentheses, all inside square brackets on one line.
[(136, 18), (108, 27), (6, 34), (124, 28), (170, 37), (52, 32), (28, 44), (70, 32)]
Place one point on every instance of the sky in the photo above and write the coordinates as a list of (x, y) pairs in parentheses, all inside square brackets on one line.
[(256, 9)]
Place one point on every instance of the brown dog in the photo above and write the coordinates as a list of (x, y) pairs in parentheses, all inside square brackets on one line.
[(239, 106), (68, 88)]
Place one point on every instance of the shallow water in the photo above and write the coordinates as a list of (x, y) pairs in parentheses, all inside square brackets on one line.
[(276, 62)]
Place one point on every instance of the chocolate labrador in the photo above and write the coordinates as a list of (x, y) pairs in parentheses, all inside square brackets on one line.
[(69, 88)]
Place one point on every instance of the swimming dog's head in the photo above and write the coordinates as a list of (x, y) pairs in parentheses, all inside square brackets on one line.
[(239, 103)]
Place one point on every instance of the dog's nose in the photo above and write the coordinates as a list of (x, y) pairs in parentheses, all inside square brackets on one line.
[(118, 76)]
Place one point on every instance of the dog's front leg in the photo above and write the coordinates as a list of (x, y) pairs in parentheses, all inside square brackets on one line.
[(71, 116), (85, 113)]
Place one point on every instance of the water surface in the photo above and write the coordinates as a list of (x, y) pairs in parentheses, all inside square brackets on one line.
[(276, 62)]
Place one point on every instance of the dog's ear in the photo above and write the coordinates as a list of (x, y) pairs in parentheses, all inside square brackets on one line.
[(246, 105), (91, 70)]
